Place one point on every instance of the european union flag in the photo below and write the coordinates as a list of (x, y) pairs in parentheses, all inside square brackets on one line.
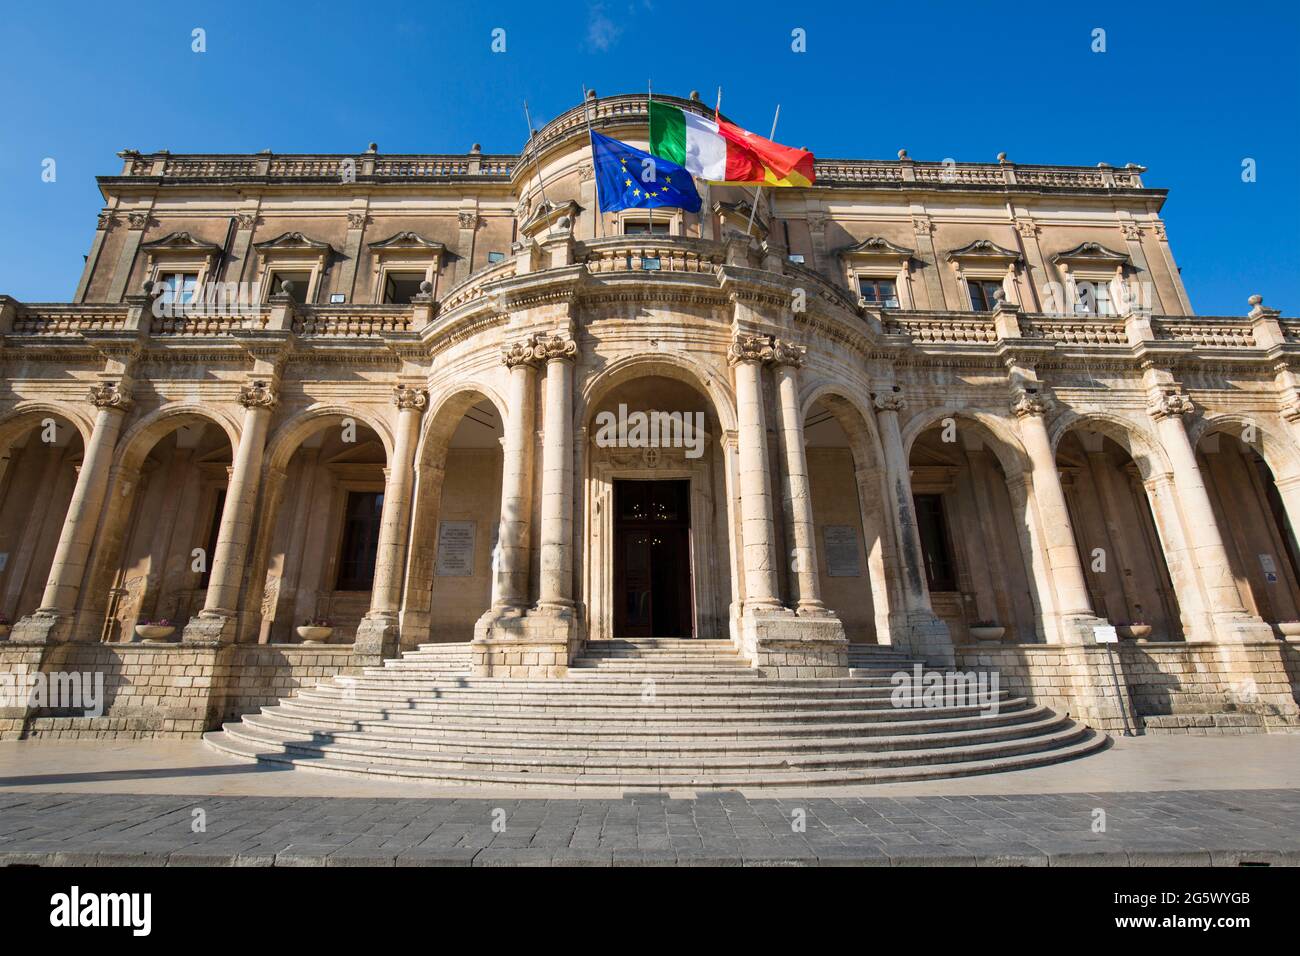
[(627, 178)]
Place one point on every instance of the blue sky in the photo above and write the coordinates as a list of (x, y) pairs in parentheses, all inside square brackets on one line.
[(1187, 89)]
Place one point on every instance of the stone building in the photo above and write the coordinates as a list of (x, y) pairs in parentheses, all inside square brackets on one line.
[(961, 411)]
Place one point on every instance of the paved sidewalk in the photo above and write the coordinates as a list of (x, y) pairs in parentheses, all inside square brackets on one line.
[(1196, 828)]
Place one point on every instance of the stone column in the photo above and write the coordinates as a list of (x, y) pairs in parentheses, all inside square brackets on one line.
[(797, 490), (747, 355), (379, 627), (1231, 621), (556, 586), (53, 620), (1071, 605), (510, 580), (218, 619), (923, 632)]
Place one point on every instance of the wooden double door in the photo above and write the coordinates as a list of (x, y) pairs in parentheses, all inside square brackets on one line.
[(652, 559)]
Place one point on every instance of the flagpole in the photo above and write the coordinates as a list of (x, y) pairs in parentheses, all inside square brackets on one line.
[(600, 216), (537, 164), (754, 208), (650, 227)]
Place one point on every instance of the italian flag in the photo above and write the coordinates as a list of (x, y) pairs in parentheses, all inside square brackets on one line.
[(715, 150)]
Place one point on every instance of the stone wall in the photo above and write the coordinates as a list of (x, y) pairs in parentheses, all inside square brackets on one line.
[(167, 690)]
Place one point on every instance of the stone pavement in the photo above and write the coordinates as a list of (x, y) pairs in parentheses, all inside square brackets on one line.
[(1196, 828)]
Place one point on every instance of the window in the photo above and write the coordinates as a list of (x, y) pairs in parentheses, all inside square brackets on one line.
[(178, 287), (879, 292), (1094, 298), (983, 293), (495, 257), (932, 527), (402, 287), (300, 280), (796, 259), (633, 227), (214, 529), (360, 540)]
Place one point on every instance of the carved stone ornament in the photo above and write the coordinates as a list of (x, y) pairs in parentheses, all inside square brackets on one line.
[(889, 401), (109, 395), (405, 396), (1170, 403), (357, 220), (787, 353), (1025, 402), (138, 220), (246, 220), (257, 395), (106, 221), (539, 348), (468, 220), (751, 347)]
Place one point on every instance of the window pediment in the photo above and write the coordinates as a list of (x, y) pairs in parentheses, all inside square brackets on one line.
[(181, 244), (1091, 253), (407, 242), (548, 215), (983, 251), (874, 247), (293, 242)]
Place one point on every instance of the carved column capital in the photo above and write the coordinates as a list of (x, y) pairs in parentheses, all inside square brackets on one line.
[(1170, 403), (110, 395), (891, 401), (1026, 402), (257, 394), (787, 353), (751, 347), (406, 396), (556, 348)]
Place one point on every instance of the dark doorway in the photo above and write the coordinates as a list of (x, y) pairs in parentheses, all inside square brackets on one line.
[(652, 559)]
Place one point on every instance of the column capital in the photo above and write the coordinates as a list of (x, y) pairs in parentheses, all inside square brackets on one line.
[(891, 401), (257, 394), (110, 395), (768, 349), (1169, 402), (1029, 401), (788, 353), (539, 348), (409, 397)]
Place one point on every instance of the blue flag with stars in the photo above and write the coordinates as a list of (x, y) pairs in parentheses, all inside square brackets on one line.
[(627, 178)]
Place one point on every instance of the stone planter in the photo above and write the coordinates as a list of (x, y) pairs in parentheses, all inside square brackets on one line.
[(1134, 631), (1288, 628), (154, 633), (989, 633), (314, 635), (4, 631)]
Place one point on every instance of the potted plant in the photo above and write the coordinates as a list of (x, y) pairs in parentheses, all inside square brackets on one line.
[(316, 630), (155, 632), (1289, 628), (4, 627), (987, 631), (1133, 630)]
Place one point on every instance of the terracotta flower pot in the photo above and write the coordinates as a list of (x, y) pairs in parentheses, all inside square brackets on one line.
[(314, 635), (991, 632), (1289, 628), (4, 631), (154, 633)]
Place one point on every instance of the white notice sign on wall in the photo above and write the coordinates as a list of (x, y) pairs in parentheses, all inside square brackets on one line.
[(455, 549)]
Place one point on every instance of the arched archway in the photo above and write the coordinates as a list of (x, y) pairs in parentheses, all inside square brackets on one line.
[(153, 553), (456, 518), (42, 453), (971, 492), (1240, 462), (850, 519), (659, 550), (317, 530)]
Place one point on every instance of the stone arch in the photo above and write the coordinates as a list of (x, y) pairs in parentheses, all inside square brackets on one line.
[(674, 365), (1139, 441), (445, 411), (880, 547), (29, 414), (1279, 451), (1007, 447), (302, 424), (138, 440)]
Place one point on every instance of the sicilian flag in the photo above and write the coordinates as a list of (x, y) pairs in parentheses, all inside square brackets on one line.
[(720, 152)]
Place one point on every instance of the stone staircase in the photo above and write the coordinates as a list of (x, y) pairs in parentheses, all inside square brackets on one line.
[(644, 713)]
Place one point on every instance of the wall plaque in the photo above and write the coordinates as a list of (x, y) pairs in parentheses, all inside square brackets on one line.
[(841, 542), (455, 549)]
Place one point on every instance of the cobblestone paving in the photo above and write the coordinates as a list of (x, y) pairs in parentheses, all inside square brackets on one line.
[(1185, 827)]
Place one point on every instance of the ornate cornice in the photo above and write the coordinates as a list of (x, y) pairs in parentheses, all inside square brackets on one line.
[(110, 395), (406, 396), (257, 394)]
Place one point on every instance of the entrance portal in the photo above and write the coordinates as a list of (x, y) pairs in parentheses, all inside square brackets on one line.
[(652, 559)]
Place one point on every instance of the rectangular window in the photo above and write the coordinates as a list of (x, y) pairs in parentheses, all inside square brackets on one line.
[(299, 280), (214, 529), (495, 257), (401, 287), (360, 540), (983, 293), (882, 293), (179, 287), (644, 227), (1094, 298), (932, 526)]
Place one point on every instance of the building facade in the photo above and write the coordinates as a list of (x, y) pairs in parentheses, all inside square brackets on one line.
[(964, 410)]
